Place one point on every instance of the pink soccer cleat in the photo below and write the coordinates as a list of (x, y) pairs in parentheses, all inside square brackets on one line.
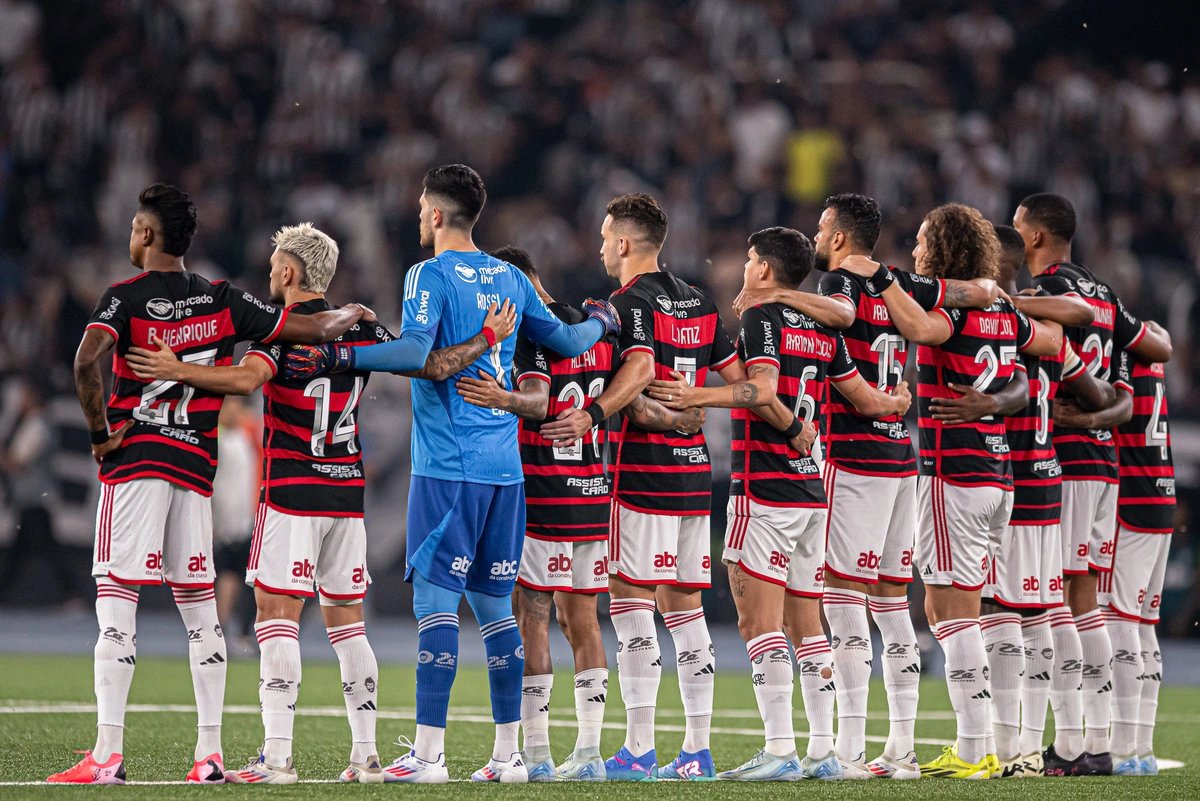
[(89, 771), (210, 770)]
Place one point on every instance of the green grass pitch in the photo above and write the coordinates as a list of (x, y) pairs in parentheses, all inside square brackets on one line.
[(38, 739)]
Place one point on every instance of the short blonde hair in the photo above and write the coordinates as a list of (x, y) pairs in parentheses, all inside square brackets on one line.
[(315, 250)]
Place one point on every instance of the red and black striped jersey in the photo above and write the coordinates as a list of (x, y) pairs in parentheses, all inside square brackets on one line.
[(668, 473), (982, 353), (566, 489), (765, 468), (1090, 455), (873, 446), (312, 460), (174, 436), (1037, 476), (1147, 495)]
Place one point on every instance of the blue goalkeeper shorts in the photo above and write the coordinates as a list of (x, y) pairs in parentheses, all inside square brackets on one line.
[(464, 536)]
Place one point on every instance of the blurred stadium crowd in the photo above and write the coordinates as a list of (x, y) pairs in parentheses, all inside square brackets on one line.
[(738, 114)]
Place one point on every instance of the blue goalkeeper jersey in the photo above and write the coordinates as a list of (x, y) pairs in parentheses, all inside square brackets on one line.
[(447, 298)]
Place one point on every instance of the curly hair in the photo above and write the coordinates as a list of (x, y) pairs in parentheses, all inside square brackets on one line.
[(960, 244)]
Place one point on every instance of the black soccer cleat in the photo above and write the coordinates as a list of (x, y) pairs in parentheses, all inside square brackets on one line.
[(1095, 764)]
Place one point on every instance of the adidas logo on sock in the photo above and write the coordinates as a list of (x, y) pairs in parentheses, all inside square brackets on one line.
[(828, 687), (1044, 676), (597, 699), (545, 708), (128, 660), (913, 668), (215, 659), (707, 670), (981, 695), (1107, 688), (369, 705), (656, 662)]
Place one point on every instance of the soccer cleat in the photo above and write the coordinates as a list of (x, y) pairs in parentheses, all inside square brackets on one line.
[(369, 772), (765, 767), (210, 770), (542, 771), (886, 767), (1032, 766), (582, 766), (89, 771), (411, 769), (1012, 769), (257, 771), (995, 769), (1149, 765), (697, 767), (827, 768), (1054, 765), (949, 766), (856, 768), (1127, 766), (625, 767), (1096, 764), (497, 770)]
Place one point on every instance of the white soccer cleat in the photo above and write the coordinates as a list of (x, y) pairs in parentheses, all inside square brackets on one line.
[(368, 772), (886, 767), (259, 772), (582, 766), (855, 768), (511, 772), (1032, 765), (411, 769)]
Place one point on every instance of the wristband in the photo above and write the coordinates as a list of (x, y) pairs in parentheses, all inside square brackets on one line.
[(596, 413), (489, 336), (794, 429), (100, 436), (882, 278)]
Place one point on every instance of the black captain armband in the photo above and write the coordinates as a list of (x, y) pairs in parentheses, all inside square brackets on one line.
[(100, 436), (596, 413), (794, 429)]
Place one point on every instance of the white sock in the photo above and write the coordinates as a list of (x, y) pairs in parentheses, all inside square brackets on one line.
[(360, 673), (846, 611), (591, 691), (1127, 684), (694, 661), (1006, 659), (1035, 686), (815, 661), (1066, 694), (115, 655), (535, 716), (901, 671), (206, 654), (771, 669), (506, 740), (639, 669), (279, 686), (430, 744), (1151, 682), (966, 662), (1097, 680)]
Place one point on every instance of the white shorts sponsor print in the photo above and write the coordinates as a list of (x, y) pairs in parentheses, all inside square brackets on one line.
[(149, 531), (957, 528), (1139, 565), (659, 549), (1089, 520), (872, 522), (781, 544), (564, 566), (303, 555), (1026, 569)]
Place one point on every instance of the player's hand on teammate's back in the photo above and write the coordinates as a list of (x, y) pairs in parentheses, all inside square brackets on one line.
[(570, 425), (676, 394), (154, 365), (308, 361), (368, 314), (972, 406), (502, 321), (606, 313), (803, 442), (114, 442), (859, 265), (904, 395), (749, 298), (484, 391)]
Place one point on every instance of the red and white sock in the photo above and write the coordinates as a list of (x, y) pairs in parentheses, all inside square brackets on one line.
[(771, 669), (207, 658), (901, 671), (966, 661), (1066, 693), (846, 611), (360, 674), (115, 656), (694, 661), (639, 669), (1035, 685), (1097, 680), (1006, 659), (815, 660), (279, 686)]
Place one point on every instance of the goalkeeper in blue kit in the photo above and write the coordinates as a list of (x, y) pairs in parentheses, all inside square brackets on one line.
[(466, 511)]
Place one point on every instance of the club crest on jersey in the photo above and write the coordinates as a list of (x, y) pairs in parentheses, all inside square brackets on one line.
[(160, 309), (664, 303), (466, 272), (1086, 286), (791, 316)]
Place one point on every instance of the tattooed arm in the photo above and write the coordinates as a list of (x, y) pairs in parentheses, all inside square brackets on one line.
[(89, 386), (755, 390), (978, 293), (529, 401), (653, 416)]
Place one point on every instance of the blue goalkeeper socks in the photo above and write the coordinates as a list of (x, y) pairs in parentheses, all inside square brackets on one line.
[(505, 654), (437, 650)]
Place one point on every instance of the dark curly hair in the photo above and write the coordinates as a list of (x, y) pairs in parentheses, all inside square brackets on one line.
[(176, 214), (858, 218), (960, 244)]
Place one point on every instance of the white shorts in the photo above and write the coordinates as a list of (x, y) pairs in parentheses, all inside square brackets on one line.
[(872, 523), (1026, 569), (149, 531), (580, 567), (302, 555), (659, 549), (958, 527), (1137, 574), (1089, 520), (784, 545)]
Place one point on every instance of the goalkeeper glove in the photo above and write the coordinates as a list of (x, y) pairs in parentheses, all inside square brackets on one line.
[(606, 313), (307, 361)]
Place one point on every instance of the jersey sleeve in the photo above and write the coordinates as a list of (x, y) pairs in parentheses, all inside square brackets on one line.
[(271, 354), (1056, 284), (1127, 329), (1123, 378), (724, 352), (424, 300), (111, 314), (842, 367), (637, 323), (378, 333), (759, 337), (252, 319), (530, 361), (1073, 366), (838, 284), (1025, 330), (927, 292)]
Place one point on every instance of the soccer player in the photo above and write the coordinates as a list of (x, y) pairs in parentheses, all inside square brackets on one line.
[(309, 537), (870, 476), (155, 442), (466, 511), (1090, 478), (659, 533), (565, 560), (1133, 589), (965, 485), (775, 545)]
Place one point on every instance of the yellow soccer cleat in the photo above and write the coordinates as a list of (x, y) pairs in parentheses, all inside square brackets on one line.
[(949, 766), (995, 769)]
